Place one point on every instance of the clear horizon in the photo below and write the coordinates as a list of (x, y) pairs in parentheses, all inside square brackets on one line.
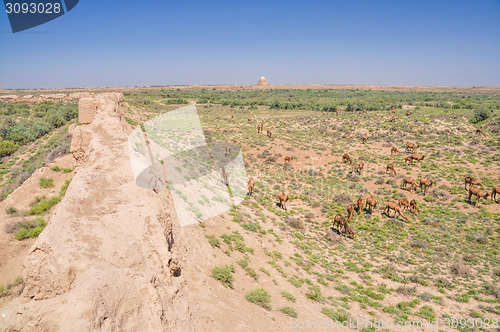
[(128, 44)]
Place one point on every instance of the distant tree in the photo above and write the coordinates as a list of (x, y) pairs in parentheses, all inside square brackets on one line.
[(480, 114), (350, 107)]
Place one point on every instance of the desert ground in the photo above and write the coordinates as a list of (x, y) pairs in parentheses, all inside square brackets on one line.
[(259, 266)]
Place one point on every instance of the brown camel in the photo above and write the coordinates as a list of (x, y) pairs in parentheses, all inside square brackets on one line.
[(340, 222), (259, 129), (251, 184), (394, 151), (365, 138), (413, 204), (288, 159), (357, 168), (250, 120), (408, 113), (425, 183), (223, 175), (394, 206), (346, 158), (408, 160), (394, 111), (417, 157), (390, 167), (472, 182), (270, 134), (409, 181), (474, 191), (350, 211), (480, 131), (495, 191), (350, 136), (371, 203), (412, 147), (228, 150), (262, 123), (283, 199), (393, 119), (232, 116), (359, 204), (404, 204)]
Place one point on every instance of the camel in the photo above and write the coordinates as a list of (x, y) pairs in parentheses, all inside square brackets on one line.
[(393, 119), (359, 204), (394, 206), (224, 174), (283, 199), (404, 204), (425, 183), (250, 120), (408, 160), (390, 167), (346, 158), (408, 113), (480, 131), (232, 116), (259, 129), (472, 182), (412, 147), (251, 184), (350, 136), (358, 167), (394, 151), (495, 191), (413, 204), (394, 111), (340, 221), (262, 124), (288, 159), (409, 181), (365, 138), (228, 150), (371, 203), (270, 134), (417, 157), (474, 191), (350, 211)]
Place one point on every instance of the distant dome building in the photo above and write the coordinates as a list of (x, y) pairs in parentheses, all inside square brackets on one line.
[(262, 81)]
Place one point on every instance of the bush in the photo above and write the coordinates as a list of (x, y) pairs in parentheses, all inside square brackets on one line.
[(7, 148), (10, 210), (480, 114), (224, 274), (46, 182), (44, 206), (55, 168), (288, 296), (289, 311), (31, 228), (260, 297), (64, 187), (67, 170), (461, 270)]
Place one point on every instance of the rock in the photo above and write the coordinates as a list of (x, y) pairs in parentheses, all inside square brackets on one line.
[(9, 98), (87, 108)]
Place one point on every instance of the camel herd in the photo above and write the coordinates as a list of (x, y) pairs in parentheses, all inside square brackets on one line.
[(399, 208)]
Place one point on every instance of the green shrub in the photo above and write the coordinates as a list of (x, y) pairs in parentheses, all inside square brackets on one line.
[(64, 187), (46, 182), (243, 263), (224, 274), (288, 296), (55, 168), (44, 206), (480, 114), (260, 297), (251, 272), (31, 228), (67, 170), (289, 311), (7, 148), (10, 210)]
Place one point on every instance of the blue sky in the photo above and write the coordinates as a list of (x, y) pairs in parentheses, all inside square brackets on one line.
[(128, 43)]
